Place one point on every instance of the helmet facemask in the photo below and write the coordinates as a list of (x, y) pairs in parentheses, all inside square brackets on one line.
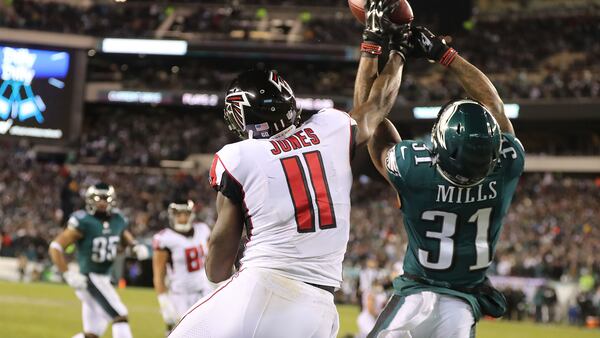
[(100, 195), (175, 210)]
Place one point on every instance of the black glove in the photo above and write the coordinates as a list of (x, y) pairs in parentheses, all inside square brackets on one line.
[(376, 20), (427, 45), (400, 39)]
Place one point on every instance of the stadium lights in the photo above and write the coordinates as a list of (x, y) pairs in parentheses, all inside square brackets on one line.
[(315, 104), (510, 109), (144, 46), (134, 96)]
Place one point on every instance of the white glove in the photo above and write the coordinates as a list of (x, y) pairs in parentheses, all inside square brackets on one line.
[(141, 252), (167, 310), (75, 280)]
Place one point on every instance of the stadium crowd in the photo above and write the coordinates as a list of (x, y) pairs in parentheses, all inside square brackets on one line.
[(565, 65), (96, 20), (580, 79), (133, 136)]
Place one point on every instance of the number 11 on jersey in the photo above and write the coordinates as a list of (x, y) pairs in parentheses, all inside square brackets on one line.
[(298, 185)]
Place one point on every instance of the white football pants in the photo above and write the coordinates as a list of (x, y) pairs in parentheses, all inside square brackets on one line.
[(263, 304), (425, 315), (182, 302), (100, 304)]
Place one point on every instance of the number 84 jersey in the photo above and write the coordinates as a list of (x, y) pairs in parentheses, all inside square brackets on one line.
[(452, 230), (185, 267)]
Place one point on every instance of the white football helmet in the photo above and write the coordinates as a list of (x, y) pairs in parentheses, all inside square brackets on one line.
[(178, 207)]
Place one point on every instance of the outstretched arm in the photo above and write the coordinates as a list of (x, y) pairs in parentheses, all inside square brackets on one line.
[(366, 75), (385, 138), (480, 88), (61, 242), (475, 83), (374, 96), (381, 98)]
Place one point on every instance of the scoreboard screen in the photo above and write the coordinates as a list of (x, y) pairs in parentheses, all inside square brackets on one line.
[(35, 92)]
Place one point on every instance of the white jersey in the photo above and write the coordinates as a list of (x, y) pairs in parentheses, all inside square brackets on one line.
[(295, 192), (185, 268)]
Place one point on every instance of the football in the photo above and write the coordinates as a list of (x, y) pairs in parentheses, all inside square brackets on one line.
[(402, 15)]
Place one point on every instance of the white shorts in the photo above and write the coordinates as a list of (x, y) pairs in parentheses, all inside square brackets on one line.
[(100, 304), (184, 301), (263, 304), (425, 315)]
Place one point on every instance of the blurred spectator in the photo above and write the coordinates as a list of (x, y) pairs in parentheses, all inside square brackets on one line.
[(545, 301), (516, 308)]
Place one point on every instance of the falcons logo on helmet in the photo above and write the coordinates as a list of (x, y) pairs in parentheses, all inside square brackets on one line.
[(279, 82), (234, 104)]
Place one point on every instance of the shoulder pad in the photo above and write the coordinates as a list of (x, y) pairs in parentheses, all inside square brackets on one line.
[(120, 214), (227, 159), (404, 156), (74, 221), (335, 115), (79, 214)]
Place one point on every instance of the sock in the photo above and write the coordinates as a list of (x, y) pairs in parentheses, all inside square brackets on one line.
[(121, 330), (79, 335)]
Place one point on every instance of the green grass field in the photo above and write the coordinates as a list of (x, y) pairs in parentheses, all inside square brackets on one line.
[(53, 311)]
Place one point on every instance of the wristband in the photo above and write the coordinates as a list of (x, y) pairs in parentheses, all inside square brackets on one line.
[(371, 48), (448, 57), (55, 245), (395, 51)]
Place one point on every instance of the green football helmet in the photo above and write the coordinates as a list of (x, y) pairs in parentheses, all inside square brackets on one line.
[(100, 193), (466, 142)]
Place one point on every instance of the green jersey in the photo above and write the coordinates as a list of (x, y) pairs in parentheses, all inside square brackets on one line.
[(97, 247), (452, 230)]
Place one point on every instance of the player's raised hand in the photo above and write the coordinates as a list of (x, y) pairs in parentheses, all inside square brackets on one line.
[(400, 39), (75, 280), (427, 45), (377, 20)]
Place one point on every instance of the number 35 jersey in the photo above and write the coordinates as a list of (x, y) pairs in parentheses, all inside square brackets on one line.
[(100, 240), (452, 230), (185, 267), (295, 193)]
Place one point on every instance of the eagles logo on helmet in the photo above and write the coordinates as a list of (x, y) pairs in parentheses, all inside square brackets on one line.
[(181, 215), (261, 104)]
